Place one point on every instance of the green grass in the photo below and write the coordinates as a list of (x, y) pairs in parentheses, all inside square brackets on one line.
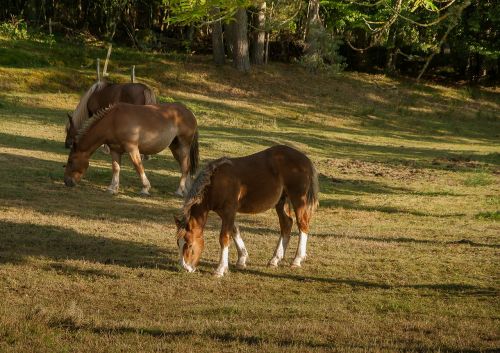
[(403, 253)]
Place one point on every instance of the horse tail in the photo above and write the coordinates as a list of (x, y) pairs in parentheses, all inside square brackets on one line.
[(194, 154), (149, 96), (312, 192), (81, 112)]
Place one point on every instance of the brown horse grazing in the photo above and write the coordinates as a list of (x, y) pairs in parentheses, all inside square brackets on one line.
[(276, 177), (101, 95), (136, 129)]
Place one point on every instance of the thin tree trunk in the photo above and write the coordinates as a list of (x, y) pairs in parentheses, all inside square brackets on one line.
[(241, 58), (229, 38), (392, 50), (259, 35), (217, 40), (313, 26)]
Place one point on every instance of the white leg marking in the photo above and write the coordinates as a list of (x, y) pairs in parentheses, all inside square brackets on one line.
[(278, 253), (242, 250), (301, 250), (183, 264), (146, 185), (223, 263), (115, 180), (181, 190)]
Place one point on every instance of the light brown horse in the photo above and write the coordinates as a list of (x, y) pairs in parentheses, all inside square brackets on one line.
[(136, 129), (276, 177), (101, 95)]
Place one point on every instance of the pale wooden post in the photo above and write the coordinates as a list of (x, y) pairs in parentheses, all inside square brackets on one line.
[(105, 71), (132, 74), (98, 70)]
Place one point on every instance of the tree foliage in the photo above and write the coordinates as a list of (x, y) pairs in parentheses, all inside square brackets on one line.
[(461, 36)]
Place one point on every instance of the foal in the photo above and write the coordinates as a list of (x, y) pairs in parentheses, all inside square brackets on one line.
[(136, 129), (276, 177)]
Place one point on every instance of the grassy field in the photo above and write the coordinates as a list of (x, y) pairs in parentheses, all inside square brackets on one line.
[(403, 253)]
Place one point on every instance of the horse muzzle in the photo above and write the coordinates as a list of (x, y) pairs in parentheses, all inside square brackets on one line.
[(68, 181)]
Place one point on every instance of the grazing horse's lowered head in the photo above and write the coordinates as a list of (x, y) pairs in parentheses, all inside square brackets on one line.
[(77, 165), (191, 224), (190, 242)]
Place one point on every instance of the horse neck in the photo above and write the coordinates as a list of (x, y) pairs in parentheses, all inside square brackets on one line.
[(93, 138), (198, 218)]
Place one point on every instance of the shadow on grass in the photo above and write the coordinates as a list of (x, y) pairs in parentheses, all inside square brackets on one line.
[(252, 340), (408, 240), (37, 184), (19, 241), (69, 270), (32, 144), (163, 160), (331, 148), (454, 289), (356, 205), (145, 331)]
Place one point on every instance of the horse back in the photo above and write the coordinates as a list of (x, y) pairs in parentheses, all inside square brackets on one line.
[(132, 93), (255, 183)]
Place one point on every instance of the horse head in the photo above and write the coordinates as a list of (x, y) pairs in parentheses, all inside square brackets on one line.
[(190, 242), (71, 132), (77, 164)]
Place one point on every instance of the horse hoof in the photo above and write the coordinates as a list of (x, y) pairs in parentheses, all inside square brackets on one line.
[(112, 191), (220, 274), (144, 193), (241, 266), (294, 265), (178, 193), (273, 263)]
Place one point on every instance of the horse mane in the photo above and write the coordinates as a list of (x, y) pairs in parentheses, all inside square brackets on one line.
[(149, 96), (202, 181), (81, 112), (87, 124)]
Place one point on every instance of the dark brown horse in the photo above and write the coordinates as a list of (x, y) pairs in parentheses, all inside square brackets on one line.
[(101, 95), (277, 177), (136, 129)]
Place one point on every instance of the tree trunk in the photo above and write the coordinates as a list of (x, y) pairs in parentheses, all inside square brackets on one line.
[(259, 35), (241, 58), (217, 40), (229, 38), (313, 26), (392, 50)]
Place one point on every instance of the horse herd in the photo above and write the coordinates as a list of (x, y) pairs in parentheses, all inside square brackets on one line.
[(126, 119)]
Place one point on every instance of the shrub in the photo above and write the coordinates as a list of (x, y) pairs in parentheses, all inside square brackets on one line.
[(14, 29)]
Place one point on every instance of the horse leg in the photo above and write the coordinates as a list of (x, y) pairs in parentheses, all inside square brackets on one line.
[(286, 223), (115, 180), (181, 155), (224, 241), (240, 246), (135, 156), (303, 216)]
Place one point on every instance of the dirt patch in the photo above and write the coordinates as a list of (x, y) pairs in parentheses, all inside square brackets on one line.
[(463, 163), (358, 167)]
